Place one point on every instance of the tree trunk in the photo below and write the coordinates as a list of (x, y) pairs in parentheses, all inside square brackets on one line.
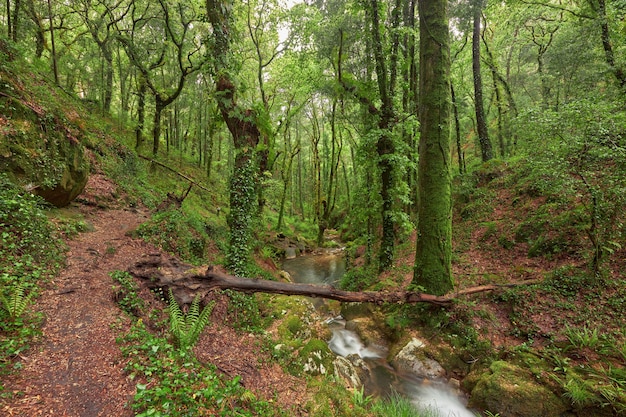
[(9, 23), (107, 95), (186, 282), (15, 20), (433, 256), (609, 56), (385, 146), (481, 120), (55, 70), (457, 130), (156, 128), (141, 112)]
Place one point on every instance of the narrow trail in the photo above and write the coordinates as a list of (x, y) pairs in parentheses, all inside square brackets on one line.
[(77, 369)]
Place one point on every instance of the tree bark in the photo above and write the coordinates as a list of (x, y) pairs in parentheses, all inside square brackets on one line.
[(55, 69), (185, 281), (481, 120), (433, 255), (618, 70)]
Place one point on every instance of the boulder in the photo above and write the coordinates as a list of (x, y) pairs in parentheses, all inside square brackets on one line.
[(352, 370), (512, 391), (412, 359), (72, 181)]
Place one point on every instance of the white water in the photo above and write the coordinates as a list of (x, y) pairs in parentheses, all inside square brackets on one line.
[(345, 342), (435, 396), (439, 398)]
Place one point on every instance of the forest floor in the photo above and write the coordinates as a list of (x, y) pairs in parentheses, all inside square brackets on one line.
[(76, 367)]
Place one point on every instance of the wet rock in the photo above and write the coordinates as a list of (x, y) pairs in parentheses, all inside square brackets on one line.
[(353, 310), (285, 276), (412, 359), (368, 329), (352, 370), (513, 391), (290, 252)]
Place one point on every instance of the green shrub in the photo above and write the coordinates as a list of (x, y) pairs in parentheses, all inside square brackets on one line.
[(29, 252), (29, 247), (177, 232), (175, 384)]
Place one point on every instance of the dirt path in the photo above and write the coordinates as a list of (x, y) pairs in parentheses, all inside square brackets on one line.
[(77, 368)]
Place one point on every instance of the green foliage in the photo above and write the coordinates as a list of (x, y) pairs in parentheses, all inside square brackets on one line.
[(186, 328), (16, 335), (29, 247), (16, 301), (360, 399), (567, 282), (399, 406), (358, 279), (242, 211), (175, 384), (29, 253), (126, 294), (177, 232), (579, 152), (244, 311), (581, 338)]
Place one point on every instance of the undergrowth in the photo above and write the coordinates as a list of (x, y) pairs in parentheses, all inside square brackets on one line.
[(29, 253), (172, 382)]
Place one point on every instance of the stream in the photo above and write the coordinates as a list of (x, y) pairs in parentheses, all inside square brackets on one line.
[(384, 381)]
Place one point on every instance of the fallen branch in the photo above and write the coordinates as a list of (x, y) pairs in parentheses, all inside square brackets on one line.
[(186, 281), (185, 177)]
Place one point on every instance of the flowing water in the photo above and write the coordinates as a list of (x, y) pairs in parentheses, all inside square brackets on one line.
[(327, 269)]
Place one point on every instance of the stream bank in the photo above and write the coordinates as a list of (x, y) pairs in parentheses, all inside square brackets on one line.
[(363, 360)]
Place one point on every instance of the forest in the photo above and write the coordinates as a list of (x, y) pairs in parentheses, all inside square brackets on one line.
[(466, 161)]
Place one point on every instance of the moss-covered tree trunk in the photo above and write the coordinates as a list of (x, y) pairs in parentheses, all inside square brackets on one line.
[(434, 241), (486, 149), (242, 126)]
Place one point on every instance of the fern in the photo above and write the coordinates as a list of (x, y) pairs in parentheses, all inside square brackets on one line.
[(186, 328), (17, 301)]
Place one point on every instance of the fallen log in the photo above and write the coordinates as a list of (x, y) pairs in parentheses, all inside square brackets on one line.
[(180, 174), (185, 281)]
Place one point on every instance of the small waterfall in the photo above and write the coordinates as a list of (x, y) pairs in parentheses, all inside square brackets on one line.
[(432, 395), (425, 394)]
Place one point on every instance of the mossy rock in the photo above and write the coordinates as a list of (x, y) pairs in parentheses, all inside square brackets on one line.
[(75, 173), (513, 391), (43, 152), (316, 357)]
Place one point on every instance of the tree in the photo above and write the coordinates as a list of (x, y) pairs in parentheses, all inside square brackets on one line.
[(149, 36), (100, 24), (433, 269), (486, 149), (386, 70), (241, 123)]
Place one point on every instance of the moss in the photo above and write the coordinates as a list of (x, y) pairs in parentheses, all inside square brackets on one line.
[(293, 324), (514, 391), (317, 358)]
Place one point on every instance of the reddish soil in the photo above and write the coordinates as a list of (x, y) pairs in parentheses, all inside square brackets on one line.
[(76, 368)]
